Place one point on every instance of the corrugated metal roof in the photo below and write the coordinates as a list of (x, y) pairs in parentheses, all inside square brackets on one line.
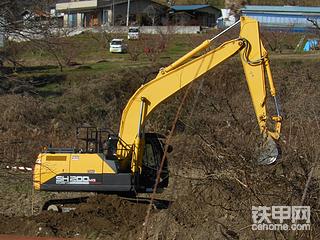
[(107, 3), (189, 7), (290, 9)]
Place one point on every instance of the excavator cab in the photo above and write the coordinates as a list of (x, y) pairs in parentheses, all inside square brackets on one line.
[(151, 161)]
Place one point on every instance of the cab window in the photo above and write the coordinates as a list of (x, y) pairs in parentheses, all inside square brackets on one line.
[(149, 158)]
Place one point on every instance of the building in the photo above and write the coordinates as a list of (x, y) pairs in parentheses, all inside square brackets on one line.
[(42, 17), (293, 17), (93, 13), (227, 18), (200, 14)]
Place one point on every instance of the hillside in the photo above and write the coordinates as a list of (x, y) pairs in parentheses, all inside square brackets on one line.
[(214, 178)]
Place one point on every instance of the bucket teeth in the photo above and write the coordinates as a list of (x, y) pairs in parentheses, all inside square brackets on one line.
[(269, 152)]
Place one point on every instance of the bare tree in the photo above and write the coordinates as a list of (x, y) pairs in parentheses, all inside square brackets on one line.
[(152, 14), (154, 45), (19, 18), (135, 49), (314, 22), (31, 21)]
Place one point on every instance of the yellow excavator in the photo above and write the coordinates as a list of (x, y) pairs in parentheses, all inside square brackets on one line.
[(129, 161)]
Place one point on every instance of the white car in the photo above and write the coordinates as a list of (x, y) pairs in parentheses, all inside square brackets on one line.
[(118, 46), (133, 33)]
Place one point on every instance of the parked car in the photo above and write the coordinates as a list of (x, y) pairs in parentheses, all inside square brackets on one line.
[(133, 33), (118, 46)]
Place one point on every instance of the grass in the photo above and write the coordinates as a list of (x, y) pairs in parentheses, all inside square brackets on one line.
[(95, 61), (178, 49), (51, 90)]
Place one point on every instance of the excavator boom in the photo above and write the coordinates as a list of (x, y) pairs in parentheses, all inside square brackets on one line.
[(179, 74)]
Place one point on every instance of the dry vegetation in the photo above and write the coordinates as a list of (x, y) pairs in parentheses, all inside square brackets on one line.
[(214, 178), (214, 164)]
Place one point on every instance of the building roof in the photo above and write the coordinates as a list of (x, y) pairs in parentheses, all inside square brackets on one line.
[(68, 5), (189, 7), (288, 9), (107, 3), (35, 13)]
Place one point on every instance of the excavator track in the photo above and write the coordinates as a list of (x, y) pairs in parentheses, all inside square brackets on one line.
[(58, 205), (70, 204)]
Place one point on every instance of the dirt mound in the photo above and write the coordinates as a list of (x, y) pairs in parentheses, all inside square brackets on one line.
[(107, 216), (12, 237)]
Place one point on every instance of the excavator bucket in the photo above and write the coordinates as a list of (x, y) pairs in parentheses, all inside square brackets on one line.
[(269, 152)]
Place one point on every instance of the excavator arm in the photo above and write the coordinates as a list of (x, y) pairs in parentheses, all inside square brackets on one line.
[(187, 69)]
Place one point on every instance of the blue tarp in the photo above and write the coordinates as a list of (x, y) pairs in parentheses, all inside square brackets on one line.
[(311, 44)]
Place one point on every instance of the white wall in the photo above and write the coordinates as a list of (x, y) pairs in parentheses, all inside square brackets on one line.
[(156, 29), (76, 5)]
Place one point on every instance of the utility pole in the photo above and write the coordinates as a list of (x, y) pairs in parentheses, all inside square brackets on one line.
[(2, 24), (128, 12), (112, 12)]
